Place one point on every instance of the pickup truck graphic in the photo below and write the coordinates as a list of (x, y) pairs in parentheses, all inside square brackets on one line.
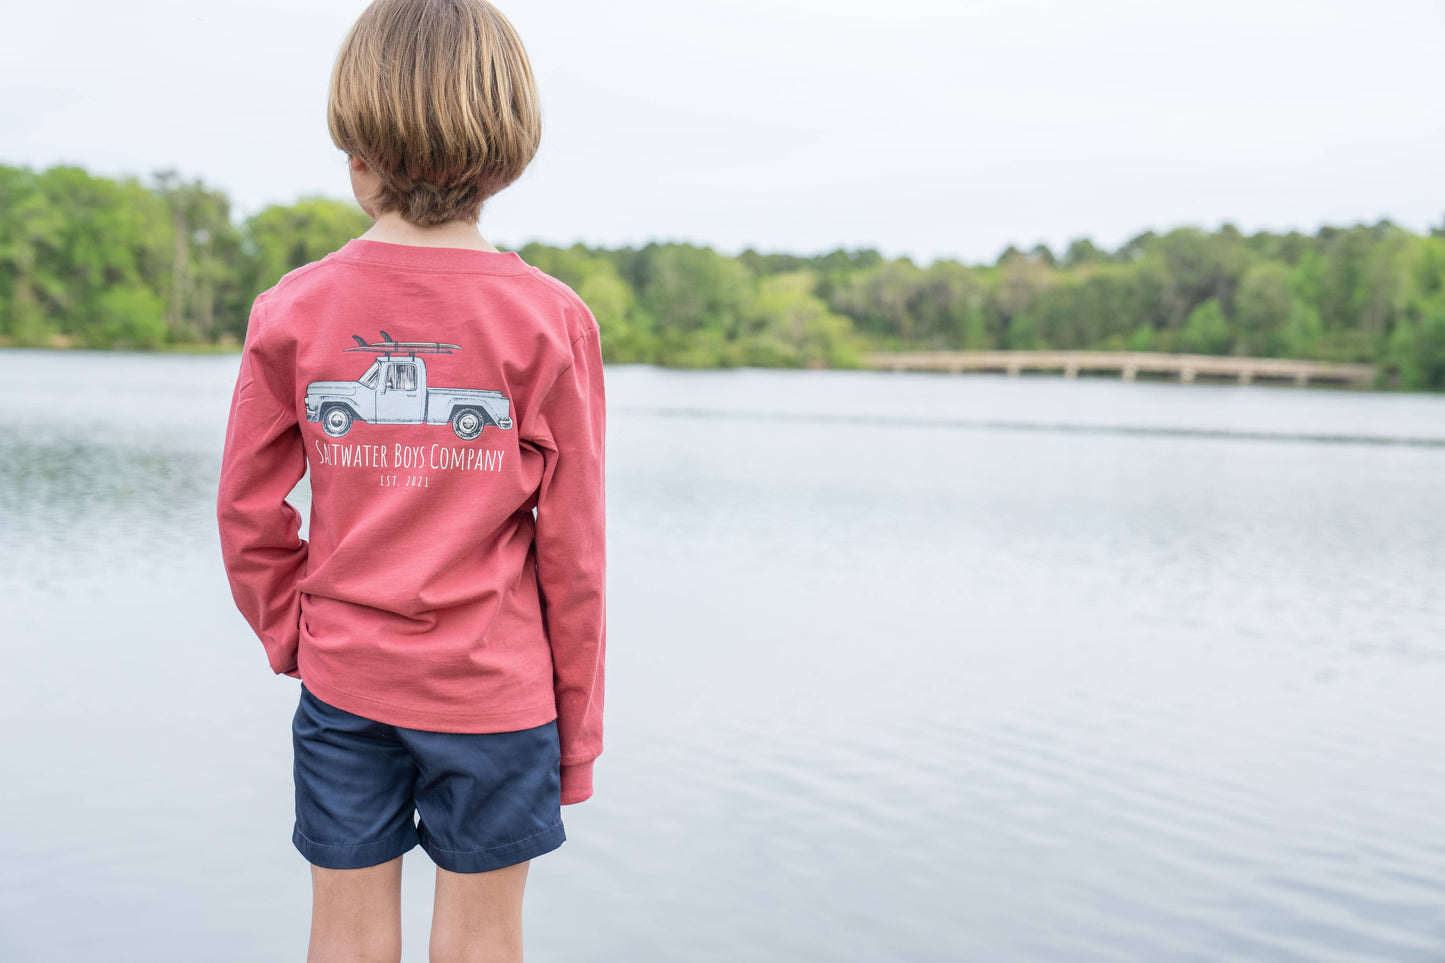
[(394, 391)]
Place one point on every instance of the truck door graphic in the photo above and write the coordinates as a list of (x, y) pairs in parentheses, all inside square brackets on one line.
[(395, 391)]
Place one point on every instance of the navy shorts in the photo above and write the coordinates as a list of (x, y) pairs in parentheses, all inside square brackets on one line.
[(485, 799)]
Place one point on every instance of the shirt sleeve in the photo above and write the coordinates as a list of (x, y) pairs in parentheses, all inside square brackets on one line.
[(571, 556), (263, 459)]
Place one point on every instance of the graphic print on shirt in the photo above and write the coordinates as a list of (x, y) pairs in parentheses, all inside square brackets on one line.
[(394, 391)]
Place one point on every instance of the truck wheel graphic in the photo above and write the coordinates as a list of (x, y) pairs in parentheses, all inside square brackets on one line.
[(467, 423), (335, 420)]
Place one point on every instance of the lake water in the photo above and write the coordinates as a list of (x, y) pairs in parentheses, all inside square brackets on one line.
[(900, 667)]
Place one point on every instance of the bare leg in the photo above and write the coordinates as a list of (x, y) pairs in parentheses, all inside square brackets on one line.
[(478, 916), (356, 914)]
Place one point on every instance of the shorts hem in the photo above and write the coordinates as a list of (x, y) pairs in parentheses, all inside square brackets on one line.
[(354, 855), (508, 854)]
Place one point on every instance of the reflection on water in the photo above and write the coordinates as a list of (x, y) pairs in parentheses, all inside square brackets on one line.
[(74, 505), (900, 667)]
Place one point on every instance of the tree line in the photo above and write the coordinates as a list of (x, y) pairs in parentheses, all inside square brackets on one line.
[(116, 263)]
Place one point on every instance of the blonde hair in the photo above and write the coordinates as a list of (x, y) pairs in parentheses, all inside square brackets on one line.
[(438, 98)]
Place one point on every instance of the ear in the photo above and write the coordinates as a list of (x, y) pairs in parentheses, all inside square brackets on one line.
[(355, 163)]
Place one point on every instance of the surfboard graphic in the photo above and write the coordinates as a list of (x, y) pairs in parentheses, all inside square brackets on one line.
[(387, 346)]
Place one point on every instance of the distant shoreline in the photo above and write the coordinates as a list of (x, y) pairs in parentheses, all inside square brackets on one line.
[(116, 263), (63, 344), (1126, 365)]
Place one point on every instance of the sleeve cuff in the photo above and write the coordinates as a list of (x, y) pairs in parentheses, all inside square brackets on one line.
[(576, 782)]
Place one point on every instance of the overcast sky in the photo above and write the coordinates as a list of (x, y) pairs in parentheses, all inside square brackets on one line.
[(932, 128)]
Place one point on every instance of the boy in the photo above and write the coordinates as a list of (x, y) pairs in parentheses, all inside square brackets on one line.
[(449, 641)]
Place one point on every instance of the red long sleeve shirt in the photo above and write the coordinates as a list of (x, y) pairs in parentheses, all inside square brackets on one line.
[(438, 396)]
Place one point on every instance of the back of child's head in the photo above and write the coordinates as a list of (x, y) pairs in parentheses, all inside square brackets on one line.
[(437, 97)]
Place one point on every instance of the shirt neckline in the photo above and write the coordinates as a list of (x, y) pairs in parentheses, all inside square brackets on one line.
[(433, 258)]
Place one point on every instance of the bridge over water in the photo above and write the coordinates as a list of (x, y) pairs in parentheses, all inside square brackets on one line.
[(1130, 364)]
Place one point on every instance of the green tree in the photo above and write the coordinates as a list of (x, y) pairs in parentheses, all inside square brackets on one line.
[(31, 236), (881, 301), (1207, 330), (203, 282), (281, 238), (1417, 349), (627, 334), (1082, 251), (76, 249), (793, 326), (1299, 336), (1262, 307), (689, 288)]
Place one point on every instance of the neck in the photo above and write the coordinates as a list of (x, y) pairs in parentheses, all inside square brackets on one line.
[(392, 228)]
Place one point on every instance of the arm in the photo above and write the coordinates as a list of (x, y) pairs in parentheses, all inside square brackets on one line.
[(571, 557), (263, 460)]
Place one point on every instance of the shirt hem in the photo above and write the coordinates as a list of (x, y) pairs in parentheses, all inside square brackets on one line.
[(432, 720)]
